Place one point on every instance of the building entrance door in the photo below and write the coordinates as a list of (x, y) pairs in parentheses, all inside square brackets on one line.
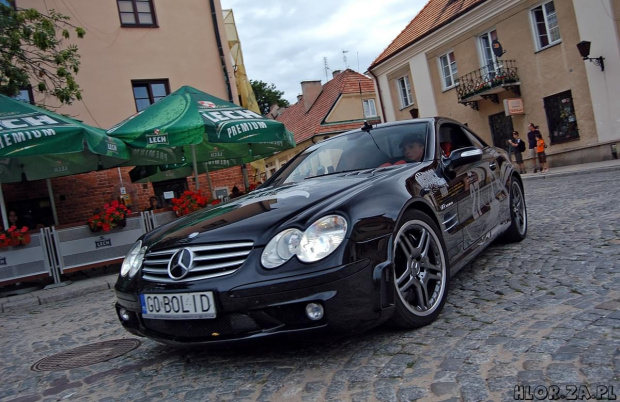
[(501, 130), (166, 190)]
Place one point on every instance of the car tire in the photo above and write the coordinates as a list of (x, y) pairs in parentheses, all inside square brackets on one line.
[(421, 271), (517, 230)]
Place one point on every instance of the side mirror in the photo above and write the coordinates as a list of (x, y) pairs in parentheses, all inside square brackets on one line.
[(462, 156)]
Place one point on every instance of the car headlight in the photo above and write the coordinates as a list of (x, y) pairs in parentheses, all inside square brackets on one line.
[(133, 260), (317, 242)]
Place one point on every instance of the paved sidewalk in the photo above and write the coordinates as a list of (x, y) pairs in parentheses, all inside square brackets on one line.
[(73, 285), (85, 282), (575, 169)]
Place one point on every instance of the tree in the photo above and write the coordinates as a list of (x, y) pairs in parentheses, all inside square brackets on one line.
[(32, 53), (267, 95)]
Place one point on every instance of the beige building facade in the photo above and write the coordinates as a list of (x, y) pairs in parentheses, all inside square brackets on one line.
[(134, 52), (443, 64), (180, 47)]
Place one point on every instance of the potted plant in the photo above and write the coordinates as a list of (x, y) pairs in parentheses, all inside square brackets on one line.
[(498, 80), (112, 216), (14, 236)]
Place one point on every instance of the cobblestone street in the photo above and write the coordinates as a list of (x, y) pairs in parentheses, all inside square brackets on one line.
[(540, 313)]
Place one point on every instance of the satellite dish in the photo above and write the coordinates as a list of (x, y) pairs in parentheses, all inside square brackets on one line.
[(497, 48)]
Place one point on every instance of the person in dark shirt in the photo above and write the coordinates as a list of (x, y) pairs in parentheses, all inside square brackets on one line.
[(518, 146), (235, 192), (153, 204)]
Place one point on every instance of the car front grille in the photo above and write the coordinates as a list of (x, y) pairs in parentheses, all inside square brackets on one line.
[(209, 261), (225, 326)]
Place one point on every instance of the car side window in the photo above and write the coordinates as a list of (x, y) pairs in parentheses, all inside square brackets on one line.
[(477, 141), (451, 138), (460, 138)]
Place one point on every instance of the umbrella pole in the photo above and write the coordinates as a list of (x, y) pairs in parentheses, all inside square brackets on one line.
[(195, 166), (209, 180), (52, 203), (5, 220)]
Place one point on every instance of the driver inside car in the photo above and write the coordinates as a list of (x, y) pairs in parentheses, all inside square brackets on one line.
[(412, 147)]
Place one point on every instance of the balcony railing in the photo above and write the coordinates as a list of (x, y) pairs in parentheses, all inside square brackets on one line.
[(487, 82)]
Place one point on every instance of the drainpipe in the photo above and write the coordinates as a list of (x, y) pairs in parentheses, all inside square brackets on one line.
[(220, 49), (378, 94)]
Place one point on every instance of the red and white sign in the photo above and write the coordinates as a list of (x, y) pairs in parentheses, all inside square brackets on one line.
[(513, 106)]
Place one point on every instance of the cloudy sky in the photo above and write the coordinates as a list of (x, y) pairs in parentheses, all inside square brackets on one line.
[(286, 42)]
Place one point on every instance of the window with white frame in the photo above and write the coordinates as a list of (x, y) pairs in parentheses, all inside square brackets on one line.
[(546, 28), (369, 108), (447, 63), (404, 90), (490, 62)]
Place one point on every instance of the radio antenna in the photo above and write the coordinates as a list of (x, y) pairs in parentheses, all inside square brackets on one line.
[(326, 68)]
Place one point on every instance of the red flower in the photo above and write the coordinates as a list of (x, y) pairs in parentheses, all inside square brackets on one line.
[(14, 234), (113, 214), (188, 202)]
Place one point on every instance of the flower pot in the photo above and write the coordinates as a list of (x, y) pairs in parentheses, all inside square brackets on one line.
[(25, 239), (14, 241)]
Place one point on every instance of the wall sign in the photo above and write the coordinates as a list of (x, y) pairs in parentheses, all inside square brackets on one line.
[(513, 106), (103, 242)]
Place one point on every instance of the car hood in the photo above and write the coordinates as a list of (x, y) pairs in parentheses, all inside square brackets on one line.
[(259, 215)]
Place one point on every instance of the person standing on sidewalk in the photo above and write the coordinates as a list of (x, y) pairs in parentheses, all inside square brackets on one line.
[(540, 150), (518, 146), (531, 142)]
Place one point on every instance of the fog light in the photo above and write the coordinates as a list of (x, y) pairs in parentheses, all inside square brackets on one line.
[(124, 314), (314, 311)]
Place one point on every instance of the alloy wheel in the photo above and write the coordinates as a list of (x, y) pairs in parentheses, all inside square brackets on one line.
[(517, 205), (420, 268)]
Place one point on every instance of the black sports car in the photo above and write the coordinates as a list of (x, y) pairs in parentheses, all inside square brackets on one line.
[(347, 235)]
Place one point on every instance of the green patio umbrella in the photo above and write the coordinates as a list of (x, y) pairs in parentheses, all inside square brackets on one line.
[(200, 128), (39, 144), (205, 152), (153, 174)]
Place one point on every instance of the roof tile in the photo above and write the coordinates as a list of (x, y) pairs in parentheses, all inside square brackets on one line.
[(305, 125), (434, 15)]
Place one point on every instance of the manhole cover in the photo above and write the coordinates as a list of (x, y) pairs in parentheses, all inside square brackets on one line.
[(86, 355)]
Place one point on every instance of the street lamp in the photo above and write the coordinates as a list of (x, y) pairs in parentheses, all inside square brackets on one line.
[(584, 51)]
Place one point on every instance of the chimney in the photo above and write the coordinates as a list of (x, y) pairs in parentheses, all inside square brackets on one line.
[(310, 91), (335, 73), (299, 97)]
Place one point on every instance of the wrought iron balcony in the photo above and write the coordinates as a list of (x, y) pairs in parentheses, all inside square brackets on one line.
[(487, 82)]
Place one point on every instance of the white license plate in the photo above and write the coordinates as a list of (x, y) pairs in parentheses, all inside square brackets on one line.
[(178, 306)]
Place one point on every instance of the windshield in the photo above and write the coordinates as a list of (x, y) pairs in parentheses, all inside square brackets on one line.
[(380, 147)]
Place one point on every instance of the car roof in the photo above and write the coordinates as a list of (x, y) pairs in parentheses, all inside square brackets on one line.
[(405, 122)]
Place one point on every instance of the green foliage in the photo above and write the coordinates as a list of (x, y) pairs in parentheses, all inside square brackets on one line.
[(267, 95), (32, 53)]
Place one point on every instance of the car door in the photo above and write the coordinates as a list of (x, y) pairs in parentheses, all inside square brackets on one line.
[(477, 204), (480, 211), (466, 194)]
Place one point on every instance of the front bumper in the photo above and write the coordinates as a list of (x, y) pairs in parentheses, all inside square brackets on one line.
[(354, 297)]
